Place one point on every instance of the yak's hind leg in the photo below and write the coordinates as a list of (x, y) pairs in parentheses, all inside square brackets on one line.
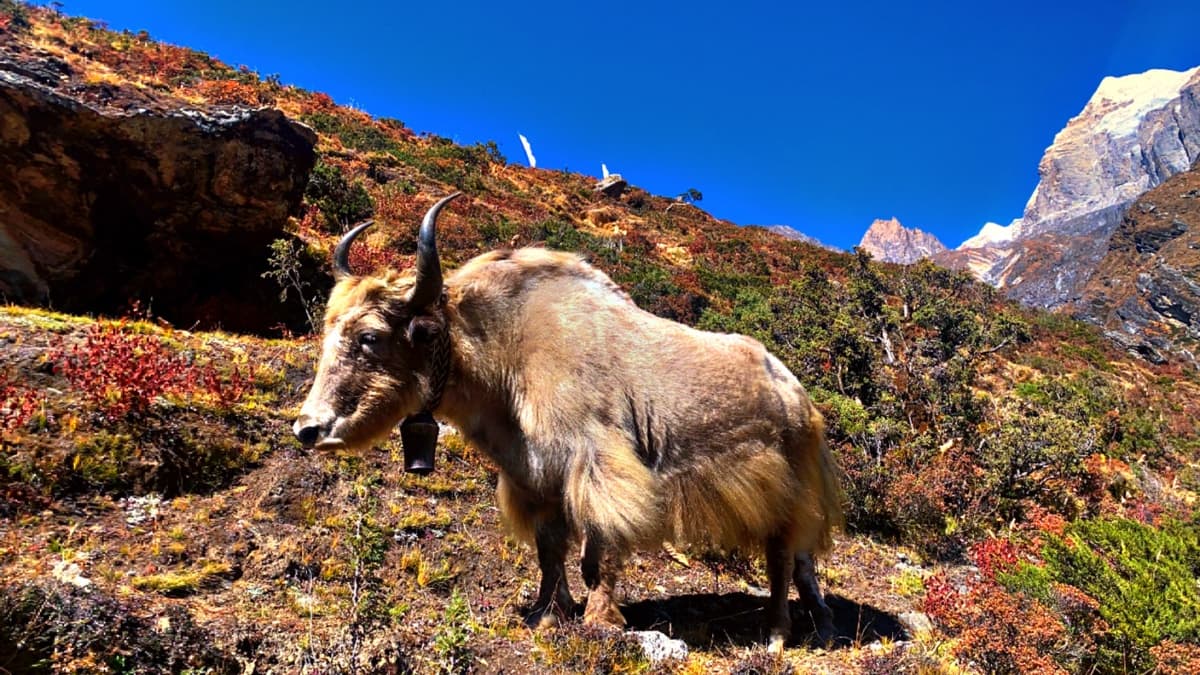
[(601, 565), (780, 562), (805, 576), (554, 600)]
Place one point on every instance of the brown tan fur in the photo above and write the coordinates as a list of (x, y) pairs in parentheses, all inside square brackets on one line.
[(608, 424)]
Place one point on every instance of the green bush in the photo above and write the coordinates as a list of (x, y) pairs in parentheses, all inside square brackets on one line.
[(450, 643), (341, 204), (1144, 578), (353, 134)]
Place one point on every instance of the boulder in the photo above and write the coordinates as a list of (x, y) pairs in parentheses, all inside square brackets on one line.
[(109, 193)]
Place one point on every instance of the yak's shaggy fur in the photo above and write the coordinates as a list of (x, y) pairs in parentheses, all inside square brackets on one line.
[(608, 424)]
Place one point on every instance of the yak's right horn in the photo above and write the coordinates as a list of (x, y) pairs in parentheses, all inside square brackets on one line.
[(341, 254)]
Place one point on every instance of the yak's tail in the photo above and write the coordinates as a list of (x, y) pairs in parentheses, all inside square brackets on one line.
[(819, 472)]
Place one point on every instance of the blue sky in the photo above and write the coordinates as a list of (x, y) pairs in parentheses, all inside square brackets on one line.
[(820, 118)]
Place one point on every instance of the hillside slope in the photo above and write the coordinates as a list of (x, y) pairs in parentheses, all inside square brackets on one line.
[(156, 514)]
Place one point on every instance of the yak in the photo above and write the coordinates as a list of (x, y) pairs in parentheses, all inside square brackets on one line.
[(611, 427)]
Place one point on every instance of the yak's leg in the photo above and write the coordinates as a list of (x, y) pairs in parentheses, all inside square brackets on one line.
[(805, 577), (780, 561), (554, 599), (600, 565)]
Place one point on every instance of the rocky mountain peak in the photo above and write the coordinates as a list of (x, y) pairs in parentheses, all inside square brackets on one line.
[(1135, 132), (889, 241)]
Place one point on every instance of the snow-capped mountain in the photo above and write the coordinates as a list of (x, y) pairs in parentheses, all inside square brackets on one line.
[(1135, 132)]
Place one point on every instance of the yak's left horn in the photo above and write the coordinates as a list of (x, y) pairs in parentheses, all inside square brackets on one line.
[(341, 254), (428, 286)]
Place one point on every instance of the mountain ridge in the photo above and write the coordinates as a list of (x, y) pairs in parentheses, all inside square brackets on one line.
[(1140, 130)]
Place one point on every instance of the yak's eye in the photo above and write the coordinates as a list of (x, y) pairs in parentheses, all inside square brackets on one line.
[(368, 339)]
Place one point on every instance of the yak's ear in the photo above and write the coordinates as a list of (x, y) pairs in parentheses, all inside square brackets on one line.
[(423, 329)]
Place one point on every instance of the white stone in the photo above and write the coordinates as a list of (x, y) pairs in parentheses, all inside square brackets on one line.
[(658, 647)]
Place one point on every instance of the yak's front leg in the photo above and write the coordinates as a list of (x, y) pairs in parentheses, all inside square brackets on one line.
[(601, 566), (554, 601)]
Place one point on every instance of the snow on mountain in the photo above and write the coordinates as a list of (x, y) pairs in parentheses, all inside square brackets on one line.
[(993, 234), (1135, 95)]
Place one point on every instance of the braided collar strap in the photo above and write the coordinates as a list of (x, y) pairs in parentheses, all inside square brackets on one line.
[(440, 364)]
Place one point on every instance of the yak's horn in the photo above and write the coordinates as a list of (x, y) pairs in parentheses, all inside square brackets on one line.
[(341, 254), (428, 287)]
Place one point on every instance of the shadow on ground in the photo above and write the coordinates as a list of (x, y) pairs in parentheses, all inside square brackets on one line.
[(705, 620)]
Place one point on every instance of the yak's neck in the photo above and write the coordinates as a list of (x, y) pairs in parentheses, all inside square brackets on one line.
[(482, 378)]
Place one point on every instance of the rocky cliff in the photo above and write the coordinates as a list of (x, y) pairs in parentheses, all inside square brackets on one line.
[(1146, 287), (1134, 133), (890, 241), (110, 192)]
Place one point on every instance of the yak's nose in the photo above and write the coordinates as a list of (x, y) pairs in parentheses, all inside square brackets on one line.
[(307, 432)]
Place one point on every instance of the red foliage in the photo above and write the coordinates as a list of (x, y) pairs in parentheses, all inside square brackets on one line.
[(399, 209), (123, 372), (232, 92), (119, 371), (367, 259), (942, 601), (1044, 521), (999, 630), (994, 556), (320, 102), (17, 405), (1173, 658), (225, 392)]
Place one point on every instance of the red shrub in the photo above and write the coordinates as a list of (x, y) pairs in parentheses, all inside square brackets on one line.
[(993, 556), (366, 259), (122, 372), (119, 371), (231, 92), (224, 391), (17, 405), (1173, 658), (998, 630), (1045, 521), (943, 602)]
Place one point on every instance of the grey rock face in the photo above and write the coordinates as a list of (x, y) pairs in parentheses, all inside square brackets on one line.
[(1135, 133)]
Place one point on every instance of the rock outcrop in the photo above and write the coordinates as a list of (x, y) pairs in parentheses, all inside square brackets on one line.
[(1135, 133), (110, 193), (889, 241), (1146, 287)]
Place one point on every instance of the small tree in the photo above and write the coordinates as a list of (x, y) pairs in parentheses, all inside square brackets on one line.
[(285, 268)]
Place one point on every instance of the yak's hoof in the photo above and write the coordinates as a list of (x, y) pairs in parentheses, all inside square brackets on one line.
[(775, 645), (823, 624), (544, 619), (607, 615)]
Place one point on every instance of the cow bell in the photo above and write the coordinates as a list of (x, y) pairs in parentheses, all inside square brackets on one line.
[(418, 437)]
